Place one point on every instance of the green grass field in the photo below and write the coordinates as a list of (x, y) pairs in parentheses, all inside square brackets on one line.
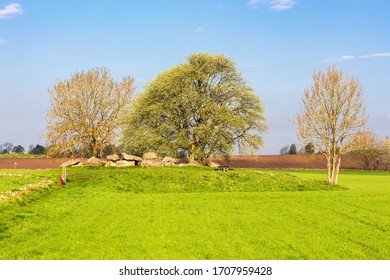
[(198, 213), (21, 156)]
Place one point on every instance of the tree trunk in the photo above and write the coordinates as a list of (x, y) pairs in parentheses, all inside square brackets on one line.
[(337, 170), (192, 153), (334, 162), (329, 169), (366, 163)]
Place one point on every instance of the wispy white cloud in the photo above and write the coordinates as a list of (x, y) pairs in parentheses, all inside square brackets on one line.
[(281, 5), (254, 3), (351, 57), (199, 29), (277, 5), (375, 55), (338, 59), (2, 41), (10, 10)]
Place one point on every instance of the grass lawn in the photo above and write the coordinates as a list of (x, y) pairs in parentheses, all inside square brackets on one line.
[(14, 181), (198, 213)]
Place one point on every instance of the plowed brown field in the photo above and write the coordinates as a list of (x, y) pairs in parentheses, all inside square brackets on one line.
[(266, 162), (32, 163), (285, 162)]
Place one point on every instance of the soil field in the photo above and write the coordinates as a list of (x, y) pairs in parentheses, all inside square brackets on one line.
[(32, 163), (285, 162), (264, 161)]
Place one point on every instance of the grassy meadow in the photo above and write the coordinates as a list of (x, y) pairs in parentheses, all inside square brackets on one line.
[(196, 213)]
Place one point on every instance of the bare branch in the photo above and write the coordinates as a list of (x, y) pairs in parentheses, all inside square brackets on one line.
[(84, 110), (333, 112)]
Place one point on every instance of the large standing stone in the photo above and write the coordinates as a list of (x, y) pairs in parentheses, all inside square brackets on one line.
[(125, 163), (168, 161), (151, 162), (110, 164), (149, 155), (94, 161), (131, 157), (70, 162), (113, 157), (213, 164), (151, 159)]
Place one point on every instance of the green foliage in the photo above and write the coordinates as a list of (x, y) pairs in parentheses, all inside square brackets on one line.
[(202, 107), (98, 217), (309, 149), (293, 149), (18, 149), (37, 150)]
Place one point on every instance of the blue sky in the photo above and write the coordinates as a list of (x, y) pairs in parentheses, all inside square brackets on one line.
[(277, 45)]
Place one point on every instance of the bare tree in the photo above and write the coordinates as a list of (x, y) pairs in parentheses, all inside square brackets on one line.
[(333, 112), (284, 150), (385, 153), (368, 149), (84, 110), (6, 148)]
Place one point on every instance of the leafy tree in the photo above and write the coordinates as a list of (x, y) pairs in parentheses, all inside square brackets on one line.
[(333, 112), (309, 149), (201, 107), (293, 149), (18, 149), (84, 110), (37, 150)]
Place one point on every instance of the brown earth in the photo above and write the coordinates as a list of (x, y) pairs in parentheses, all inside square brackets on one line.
[(32, 163), (285, 162), (266, 162)]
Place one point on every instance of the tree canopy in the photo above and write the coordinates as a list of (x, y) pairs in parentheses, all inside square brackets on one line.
[(309, 149), (385, 153), (37, 150), (199, 108), (293, 149), (367, 149), (19, 149), (6, 148), (83, 113)]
